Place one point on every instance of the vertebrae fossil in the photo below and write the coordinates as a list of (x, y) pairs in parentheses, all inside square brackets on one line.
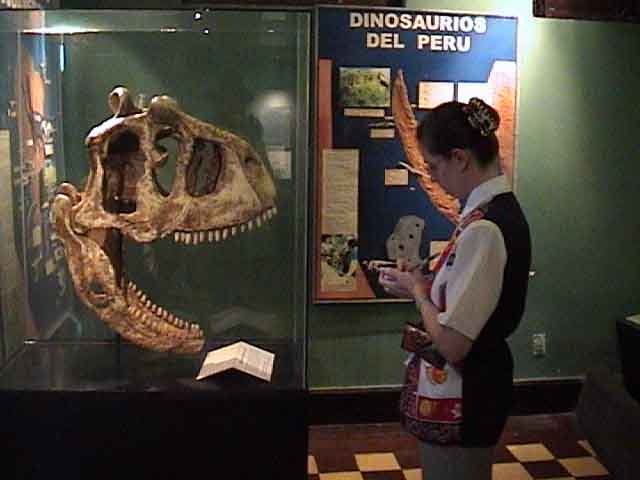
[(220, 188)]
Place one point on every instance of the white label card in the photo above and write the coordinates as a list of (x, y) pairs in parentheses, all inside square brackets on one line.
[(396, 177), (364, 112), (382, 133), (240, 356)]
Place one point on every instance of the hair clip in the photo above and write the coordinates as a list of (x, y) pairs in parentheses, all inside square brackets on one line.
[(481, 116)]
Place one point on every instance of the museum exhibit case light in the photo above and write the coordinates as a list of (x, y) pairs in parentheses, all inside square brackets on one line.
[(154, 210)]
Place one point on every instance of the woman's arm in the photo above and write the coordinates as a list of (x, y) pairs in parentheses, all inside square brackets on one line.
[(451, 344)]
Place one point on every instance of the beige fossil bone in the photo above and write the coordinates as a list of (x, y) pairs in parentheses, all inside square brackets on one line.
[(220, 187), (407, 127)]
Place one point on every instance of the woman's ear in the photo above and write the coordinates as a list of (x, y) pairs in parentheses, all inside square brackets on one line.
[(461, 159)]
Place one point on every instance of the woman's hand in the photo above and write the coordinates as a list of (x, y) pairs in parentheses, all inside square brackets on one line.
[(402, 283)]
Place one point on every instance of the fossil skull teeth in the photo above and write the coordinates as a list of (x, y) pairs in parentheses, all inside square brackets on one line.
[(212, 236), (157, 318), (220, 187)]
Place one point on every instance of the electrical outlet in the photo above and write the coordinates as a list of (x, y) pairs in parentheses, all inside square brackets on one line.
[(539, 344)]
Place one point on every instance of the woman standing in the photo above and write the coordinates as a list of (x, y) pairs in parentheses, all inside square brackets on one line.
[(470, 304)]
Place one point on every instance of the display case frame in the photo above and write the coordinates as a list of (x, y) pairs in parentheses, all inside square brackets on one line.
[(106, 400)]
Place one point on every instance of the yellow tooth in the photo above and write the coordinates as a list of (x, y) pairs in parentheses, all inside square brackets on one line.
[(217, 234), (202, 239), (259, 222), (148, 303), (210, 236), (250, 225), (176, 236), (233, 231), (225, 234), (270, 213), (275, 210), (143, 298), (187, 238), (243, 227)]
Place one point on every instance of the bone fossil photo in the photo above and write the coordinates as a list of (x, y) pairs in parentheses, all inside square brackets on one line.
[(220, 188)]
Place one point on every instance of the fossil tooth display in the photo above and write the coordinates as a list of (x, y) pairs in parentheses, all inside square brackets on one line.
[(219, 186)]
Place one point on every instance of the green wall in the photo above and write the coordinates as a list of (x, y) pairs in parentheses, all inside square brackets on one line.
[(578, 178)]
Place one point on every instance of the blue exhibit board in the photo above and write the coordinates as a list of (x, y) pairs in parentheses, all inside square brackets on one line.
[(371, 206)]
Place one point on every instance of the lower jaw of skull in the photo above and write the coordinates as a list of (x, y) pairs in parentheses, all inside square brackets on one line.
[(145, 323), (151, 325)]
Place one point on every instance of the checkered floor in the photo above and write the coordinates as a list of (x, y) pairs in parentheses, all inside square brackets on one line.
[(534, 447)]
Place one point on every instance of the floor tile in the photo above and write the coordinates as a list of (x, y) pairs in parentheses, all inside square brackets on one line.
[(530, 452), (565, 449), (510, 471), (502, 454), (413, 474), (587, 446), (335, 461), (538, 447), (549, 469), (377, 462), (341, 476), (583, 466), (312, 466), (394, 475), (408, 458)]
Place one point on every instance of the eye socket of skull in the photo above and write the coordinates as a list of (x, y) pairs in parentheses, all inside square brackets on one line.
[(122, 169), (205, 168)]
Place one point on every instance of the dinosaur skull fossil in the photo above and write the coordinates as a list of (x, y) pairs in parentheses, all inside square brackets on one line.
[(220, 188)]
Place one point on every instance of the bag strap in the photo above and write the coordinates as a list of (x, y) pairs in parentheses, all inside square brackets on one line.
[(475, 215)]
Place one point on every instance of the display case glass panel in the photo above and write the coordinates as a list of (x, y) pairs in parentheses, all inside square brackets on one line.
[(218, 271)]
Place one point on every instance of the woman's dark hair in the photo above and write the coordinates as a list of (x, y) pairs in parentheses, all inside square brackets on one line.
[(459, 125)]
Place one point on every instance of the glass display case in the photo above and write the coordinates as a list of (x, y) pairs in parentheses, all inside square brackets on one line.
[(154, 209)]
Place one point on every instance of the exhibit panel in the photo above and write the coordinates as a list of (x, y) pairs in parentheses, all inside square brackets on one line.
[(154, 223), (374, 194)]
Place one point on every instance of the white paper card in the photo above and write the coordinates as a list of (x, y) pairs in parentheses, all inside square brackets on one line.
[(240, 356), (431, 94), (280, 161), (48, 149), (364, 112), (634, 318), (467, 90), (37, 236), (340, 191), (396, 177), (382, 132)]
